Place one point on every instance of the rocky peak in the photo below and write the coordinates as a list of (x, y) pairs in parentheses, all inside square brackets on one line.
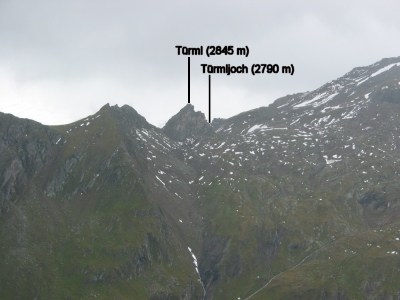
[(187, 123), (125, 115)]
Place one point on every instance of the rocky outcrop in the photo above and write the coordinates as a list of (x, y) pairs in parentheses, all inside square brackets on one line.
[(188, 124)]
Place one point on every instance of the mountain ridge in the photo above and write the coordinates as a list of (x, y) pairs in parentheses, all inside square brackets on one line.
[(297, 200)]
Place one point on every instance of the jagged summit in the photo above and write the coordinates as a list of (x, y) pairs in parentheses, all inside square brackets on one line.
[(125, 115), (187, 123)]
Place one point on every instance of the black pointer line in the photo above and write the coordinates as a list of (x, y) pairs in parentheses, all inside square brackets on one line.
[(189, 79), (209, 98)]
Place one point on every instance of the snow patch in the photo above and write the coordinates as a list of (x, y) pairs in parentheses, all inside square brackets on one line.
[(331, 161), (255, 127), (362, 81), (330, 108), (223, 143), (196, 268), (384, 69), (261, 127), (315, 98), (318, 100), (160, 180)]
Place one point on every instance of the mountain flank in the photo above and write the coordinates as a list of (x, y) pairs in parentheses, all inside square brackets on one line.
[(297, 200)]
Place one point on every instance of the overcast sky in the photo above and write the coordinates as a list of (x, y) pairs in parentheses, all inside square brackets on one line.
[(62, 60)]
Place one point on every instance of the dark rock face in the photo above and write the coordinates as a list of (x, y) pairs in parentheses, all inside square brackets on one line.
[(298, 200), (57, 183), (388, 95), (187, 124), (10, 176), (25, 147), (373, 202)]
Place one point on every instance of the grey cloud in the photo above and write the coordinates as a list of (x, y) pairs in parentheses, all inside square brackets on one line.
[(79, 54)]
